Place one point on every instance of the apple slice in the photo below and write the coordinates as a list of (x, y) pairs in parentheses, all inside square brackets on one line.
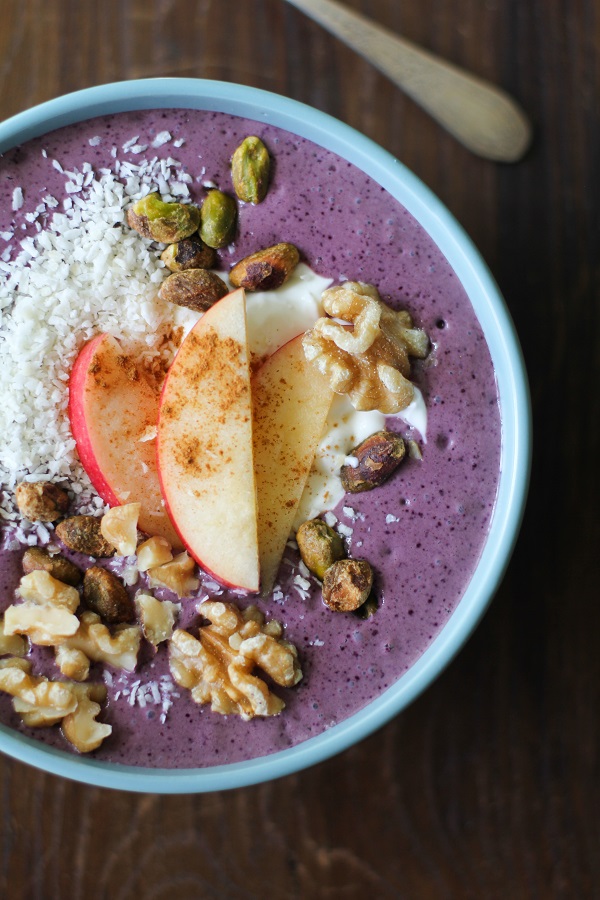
[(113, 408), (205, 446), (291, 402)]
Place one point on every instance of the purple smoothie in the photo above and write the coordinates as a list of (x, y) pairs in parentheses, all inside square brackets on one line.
[(422, 532)]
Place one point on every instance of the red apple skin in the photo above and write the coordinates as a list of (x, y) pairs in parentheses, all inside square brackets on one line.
[(77, 416), (109, 411), (188, 536)]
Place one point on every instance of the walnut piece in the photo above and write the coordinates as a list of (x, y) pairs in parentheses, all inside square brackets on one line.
[(41, 702), (119, 527), (157, 617), (119, 649), (81, 728), (217, 667), (37, 700), (72, 662), (47, 614), (11, 644), (154, 552), (175, 575), (42, 588), (16, 661), (368, 359), (43, 624)]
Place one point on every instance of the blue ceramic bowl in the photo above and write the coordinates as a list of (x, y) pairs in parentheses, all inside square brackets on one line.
[(512, 385)]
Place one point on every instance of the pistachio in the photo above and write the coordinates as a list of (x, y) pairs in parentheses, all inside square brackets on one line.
[(36, 558), (104, 594), (320, 546), (377, 457), (82, 535), (41, 501), (165, 222), (191, 253), (196, 289), (218, 216), (266, 269), (347, 584), (250, 167)]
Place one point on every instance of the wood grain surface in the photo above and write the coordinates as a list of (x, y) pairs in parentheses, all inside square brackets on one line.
[(488, 785)]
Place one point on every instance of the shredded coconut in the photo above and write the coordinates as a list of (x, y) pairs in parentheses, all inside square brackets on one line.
[(17, 198), (81, 275), (163, 137), (160, 692)]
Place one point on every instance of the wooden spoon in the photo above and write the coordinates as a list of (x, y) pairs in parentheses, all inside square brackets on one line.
[(482, 117)]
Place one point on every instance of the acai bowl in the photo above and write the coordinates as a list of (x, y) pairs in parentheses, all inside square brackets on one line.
[(201, 701)]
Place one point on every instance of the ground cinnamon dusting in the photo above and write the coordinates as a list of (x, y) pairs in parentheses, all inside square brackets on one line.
[(129, 367)]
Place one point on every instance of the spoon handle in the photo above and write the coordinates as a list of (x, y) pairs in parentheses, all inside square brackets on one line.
[(482, 117)]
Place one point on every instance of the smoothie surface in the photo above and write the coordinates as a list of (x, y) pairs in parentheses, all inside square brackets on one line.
[(422, 532)]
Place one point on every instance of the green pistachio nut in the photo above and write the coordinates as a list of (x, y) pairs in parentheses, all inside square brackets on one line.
[(266, 269), (164, 222), (218, 217), (196, 289), (190, 253), (375, 459), (250, 168), (320, 546)]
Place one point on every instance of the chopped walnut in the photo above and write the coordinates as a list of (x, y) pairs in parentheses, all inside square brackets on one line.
[(217, 667), (72, 662), (39, 716), (157, 617), (119, 649), (175, 575), (42, 588), (36, 699), (367, 359), (47, 614), (43, 624), (11, 644), (81, 728), (17, 661), (41, 702), (154, 552), (119, 527)]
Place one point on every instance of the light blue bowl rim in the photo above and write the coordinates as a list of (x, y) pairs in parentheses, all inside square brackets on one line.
[(497, 325)]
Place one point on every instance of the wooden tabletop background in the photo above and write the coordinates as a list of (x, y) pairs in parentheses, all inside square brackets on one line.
[(488, 785)]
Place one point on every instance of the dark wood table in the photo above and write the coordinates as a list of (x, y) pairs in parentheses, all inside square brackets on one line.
[(488, 785)]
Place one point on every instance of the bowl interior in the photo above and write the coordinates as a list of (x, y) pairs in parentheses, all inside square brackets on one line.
[(511, 381)]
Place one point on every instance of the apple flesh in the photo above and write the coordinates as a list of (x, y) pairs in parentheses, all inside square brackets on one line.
[(205, 446), (291, 401), (113, 407)]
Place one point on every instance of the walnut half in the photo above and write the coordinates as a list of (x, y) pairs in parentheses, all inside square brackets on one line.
[(218, 666), (366, 354)]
